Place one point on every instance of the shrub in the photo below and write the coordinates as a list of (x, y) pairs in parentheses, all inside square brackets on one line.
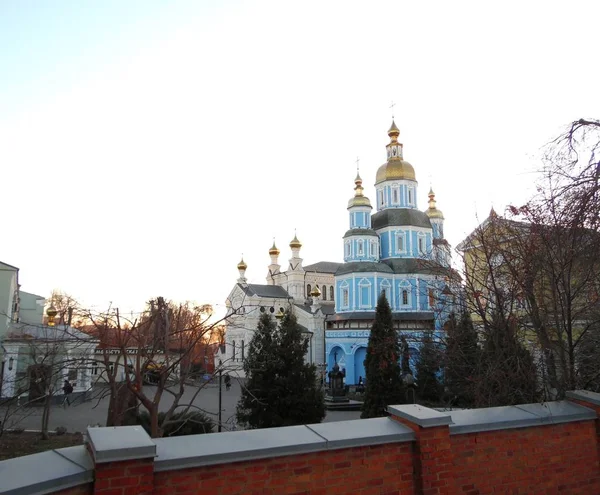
[(190, 423)]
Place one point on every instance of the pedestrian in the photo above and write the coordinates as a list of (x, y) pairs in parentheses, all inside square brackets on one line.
[(68, 390), (227, 381)]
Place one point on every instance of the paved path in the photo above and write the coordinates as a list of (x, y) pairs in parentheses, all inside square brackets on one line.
[(79, 416)]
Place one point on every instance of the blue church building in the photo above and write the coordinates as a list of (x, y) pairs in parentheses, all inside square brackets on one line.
[(397, 250)]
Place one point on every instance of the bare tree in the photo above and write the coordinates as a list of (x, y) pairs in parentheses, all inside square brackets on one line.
[(157, 348)]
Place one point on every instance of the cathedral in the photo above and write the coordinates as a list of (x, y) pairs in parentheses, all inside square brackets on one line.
[(398, 250)]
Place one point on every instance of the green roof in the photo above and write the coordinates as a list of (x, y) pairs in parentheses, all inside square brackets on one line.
[(398, 217)]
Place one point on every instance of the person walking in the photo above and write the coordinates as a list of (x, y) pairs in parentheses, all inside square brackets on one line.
[(227, 381), (68, 390)]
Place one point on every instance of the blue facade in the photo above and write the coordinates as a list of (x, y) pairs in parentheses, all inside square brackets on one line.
[(381, 254)]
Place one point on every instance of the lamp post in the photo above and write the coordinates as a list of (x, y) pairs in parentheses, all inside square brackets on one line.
[(220, 377)]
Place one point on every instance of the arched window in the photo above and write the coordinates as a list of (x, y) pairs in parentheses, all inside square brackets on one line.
[(395, 195), (331, 292), (405, 297), (324, 293), (308, 288), (410, 196), (347, 248)]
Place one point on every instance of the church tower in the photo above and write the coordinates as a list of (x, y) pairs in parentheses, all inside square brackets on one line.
[(441, 248), (295, 279), (360, 242), (274, 267)]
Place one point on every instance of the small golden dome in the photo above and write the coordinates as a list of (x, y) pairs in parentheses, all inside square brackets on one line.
[(393, 131), (51, 311), (359, 198), (295, 244), (274, 251), (242, 264), (316, 292), (432, 211)]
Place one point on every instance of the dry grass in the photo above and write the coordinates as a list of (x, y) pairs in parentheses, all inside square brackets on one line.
[(18, 444)]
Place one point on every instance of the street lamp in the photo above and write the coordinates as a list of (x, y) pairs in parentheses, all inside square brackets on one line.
[(220, 377)]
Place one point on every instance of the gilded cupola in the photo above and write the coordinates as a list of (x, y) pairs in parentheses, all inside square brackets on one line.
[(274, 251), (295, 243), (359, 198), (432, 211), (396, 167), (242, 265)]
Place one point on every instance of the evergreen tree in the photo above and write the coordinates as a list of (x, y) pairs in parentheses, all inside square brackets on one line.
[(281, 389), (384, 383), (461, 359), (507, 374), (428, 366)]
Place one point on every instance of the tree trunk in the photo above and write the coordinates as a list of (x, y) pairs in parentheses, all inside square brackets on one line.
[(46, 415)]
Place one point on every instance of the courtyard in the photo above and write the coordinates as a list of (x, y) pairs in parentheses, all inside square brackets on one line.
[(79, 415)]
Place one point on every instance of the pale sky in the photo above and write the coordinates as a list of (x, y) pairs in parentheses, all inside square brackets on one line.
[(144, 145)]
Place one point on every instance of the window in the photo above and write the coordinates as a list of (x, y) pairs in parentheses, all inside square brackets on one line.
[(405, 297), (233, 351), (324, 293), (95, 369), (360, 248), (347, 249), (345, 297), (380, 196), (364, 293), (431, 298), (421, 245), (373, 249), (308, 288), (331, 292), (410, 196), (385, 288), (395, 195), (400, 243), (243, 350)]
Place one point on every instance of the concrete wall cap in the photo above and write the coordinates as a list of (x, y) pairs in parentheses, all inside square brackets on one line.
[(120, 443), (420, 415), (234, 446), (522, 416), (360, 432), (46, 472), (585, 396)]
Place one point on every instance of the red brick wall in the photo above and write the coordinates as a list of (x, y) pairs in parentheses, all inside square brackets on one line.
[(545, 459), (125, 478), (380, 469)]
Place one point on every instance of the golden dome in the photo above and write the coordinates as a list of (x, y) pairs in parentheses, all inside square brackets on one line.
[(359, 198), (432, 211), (274, 251), (396, 167), (51, 311), (242, 265), (295, 243), (316, 292)]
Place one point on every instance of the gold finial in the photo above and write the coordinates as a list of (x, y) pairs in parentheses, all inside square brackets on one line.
[(274, 251), (433, 212), (394, 132), (295, 243), (242, 264), (51, 312), (316, 292)]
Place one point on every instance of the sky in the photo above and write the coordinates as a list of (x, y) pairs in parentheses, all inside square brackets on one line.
[(145, 145)]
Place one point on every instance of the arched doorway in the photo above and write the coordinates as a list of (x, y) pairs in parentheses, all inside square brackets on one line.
[(359, 364)]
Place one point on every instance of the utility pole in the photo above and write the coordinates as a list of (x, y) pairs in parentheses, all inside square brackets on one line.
[(220, 377)]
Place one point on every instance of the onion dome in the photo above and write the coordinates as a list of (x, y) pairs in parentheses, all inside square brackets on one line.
[(396, 167), (51, 312), (359, 198), (242, 264), (316, 292), (432, 211), (274, 251), (295, 243)]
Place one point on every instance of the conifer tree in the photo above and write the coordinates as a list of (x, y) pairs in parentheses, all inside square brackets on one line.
[(461, 359), (507, 375), (281, 389), (428, 366), (382, 367)]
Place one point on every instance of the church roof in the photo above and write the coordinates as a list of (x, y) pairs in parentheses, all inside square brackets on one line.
[(326, 309), (360, 232), (260, 290), (400, 217), (370, 315), (323, 267), (363, 266)]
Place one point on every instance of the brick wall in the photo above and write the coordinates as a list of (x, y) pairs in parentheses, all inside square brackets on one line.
[(530, 449), (545, 459), (358, 471)]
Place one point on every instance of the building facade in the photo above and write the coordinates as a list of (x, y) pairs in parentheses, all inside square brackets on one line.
[(398, 250)]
